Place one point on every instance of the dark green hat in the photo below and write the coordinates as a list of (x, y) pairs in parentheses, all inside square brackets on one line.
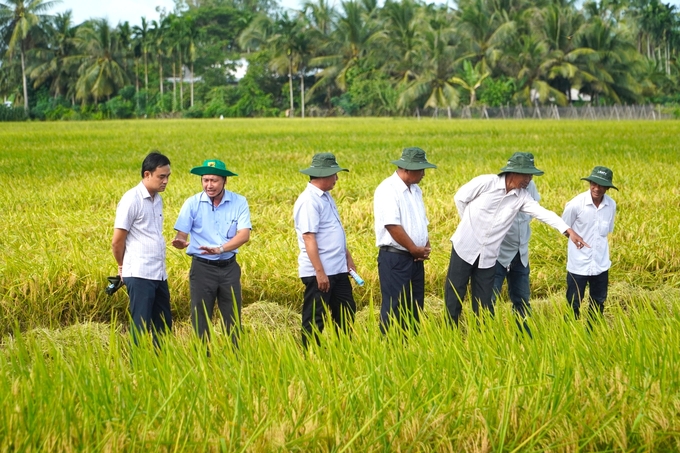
[(413, 159), (323, 165), (602, 176), (521, 163), (212, 167)]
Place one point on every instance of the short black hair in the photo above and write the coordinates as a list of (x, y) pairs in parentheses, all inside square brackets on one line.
[(153, 161)]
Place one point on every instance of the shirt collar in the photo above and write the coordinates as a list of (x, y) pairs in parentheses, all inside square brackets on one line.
[(315, 190), (143, 190), (500, 185), (226, 197), (399, 183)]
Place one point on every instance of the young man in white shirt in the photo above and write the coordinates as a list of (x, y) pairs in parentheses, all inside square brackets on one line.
[(592, 213), (139, 249)]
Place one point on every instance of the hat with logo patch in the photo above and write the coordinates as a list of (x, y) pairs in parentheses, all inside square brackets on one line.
[(522, 163), (323, 165), (413, 158), (602, 176), (213, 167)]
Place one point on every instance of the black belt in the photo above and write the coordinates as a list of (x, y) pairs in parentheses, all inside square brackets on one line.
[(218, 263), (389, 248)]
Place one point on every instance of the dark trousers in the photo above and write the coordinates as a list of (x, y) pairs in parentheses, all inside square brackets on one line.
[(149, 306), (207, 284), (576, 288), (457, 278), (517, 275), (402, 287), (339, 301)]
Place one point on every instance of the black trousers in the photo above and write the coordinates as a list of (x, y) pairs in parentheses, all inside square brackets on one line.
[(576, 289), (339, 301), (402, 287), (207, 284), (459, 274)]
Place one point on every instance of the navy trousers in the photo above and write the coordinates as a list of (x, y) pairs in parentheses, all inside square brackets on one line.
[(339, 300), (576, 289), (402, 288), (149, 306)]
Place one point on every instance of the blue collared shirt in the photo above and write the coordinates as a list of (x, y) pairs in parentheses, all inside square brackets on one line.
[(212, 227)]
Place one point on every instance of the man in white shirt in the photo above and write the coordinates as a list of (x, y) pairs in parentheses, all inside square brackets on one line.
[(592, 213), (139, 249), (324, 261), (487, 206), (402, 237), (512, 264)]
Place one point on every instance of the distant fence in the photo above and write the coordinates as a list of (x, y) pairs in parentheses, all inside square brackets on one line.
[(587, 112)]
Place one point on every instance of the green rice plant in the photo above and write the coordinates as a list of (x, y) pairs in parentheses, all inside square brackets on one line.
[(62, 182)]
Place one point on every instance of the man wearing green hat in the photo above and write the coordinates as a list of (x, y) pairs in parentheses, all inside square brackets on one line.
[(592, 213), (218, 222), (403, 240), (324, 261), (487, 206)]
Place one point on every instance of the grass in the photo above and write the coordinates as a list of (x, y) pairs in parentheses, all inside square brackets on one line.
[(70, 381)]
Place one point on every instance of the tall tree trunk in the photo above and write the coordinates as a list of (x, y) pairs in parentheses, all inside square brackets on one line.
[(23, 78), (174, 88), (290, 89), (160, 73), (181, 84), (192, 83), (146, 75), (302, 92)]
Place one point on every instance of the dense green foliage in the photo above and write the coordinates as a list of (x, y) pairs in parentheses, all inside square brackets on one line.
[(353, 58)]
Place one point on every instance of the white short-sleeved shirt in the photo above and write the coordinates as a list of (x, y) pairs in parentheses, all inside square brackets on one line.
[(593, 224), (517, 238), (395, 204), (315, 212), (142, 217), (486, 214), (213, 226)]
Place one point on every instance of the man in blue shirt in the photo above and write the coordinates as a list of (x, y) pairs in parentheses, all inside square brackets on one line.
[(218, 222)]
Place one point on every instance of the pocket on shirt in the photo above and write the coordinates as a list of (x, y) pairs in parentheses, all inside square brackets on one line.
[(232, 229), (603, 227)]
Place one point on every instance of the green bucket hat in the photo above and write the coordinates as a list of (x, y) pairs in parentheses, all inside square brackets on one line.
[(323, 165), (602, 176), (521, 163), (413, 159), (212, 167)]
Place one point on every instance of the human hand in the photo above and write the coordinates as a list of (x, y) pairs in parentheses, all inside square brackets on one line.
[(180, 243)]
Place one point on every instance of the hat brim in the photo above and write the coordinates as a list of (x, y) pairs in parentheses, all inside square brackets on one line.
[(413, 165), (322, 172), (599, 181), (523, 171), (202, 171)]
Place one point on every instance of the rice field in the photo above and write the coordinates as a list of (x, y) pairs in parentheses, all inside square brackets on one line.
[(71, 381)]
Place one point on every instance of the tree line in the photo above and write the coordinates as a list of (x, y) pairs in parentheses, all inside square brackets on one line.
[(353, 58)]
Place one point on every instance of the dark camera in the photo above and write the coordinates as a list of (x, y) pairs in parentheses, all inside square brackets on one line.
[(114, 284)]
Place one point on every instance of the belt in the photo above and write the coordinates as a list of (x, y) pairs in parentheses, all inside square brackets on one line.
[(389, 248), (218, 263)]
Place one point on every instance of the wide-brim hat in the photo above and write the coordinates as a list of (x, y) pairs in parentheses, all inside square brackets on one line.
[(413, 158), (213, 167), (522, 163), (323, 165), (602, 176)]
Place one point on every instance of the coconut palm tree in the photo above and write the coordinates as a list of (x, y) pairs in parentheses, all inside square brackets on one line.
[(102, 72), (471, 79), (142, 34), (400, 38), (56, 64), (20, 18)]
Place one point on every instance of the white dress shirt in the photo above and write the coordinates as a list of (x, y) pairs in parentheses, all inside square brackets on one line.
[(395, 204), (517, 238), (486, 214), (315, 212), (594, 225), (142, 217)]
